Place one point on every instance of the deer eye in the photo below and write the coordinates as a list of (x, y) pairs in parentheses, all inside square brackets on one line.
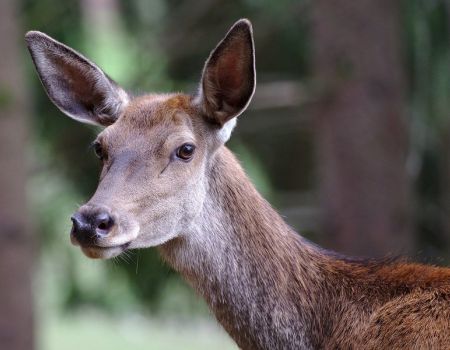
[(185, 151), (98, 150)]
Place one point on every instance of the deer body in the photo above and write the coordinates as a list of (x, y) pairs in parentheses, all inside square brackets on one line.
[(169, 181)]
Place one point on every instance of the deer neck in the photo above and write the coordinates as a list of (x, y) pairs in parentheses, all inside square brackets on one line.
[(257, 275)]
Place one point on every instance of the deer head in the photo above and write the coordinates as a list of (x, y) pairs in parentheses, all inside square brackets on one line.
[(155, 149)]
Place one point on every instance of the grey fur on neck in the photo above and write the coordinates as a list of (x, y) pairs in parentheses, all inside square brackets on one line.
[(238, 256)]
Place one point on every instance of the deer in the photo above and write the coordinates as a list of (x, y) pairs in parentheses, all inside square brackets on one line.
[(168, 181)]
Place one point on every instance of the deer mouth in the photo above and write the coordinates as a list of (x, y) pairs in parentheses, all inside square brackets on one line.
[(98, 252)]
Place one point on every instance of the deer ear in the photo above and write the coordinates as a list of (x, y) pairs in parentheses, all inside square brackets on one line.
[(74, 84), (229, 78)]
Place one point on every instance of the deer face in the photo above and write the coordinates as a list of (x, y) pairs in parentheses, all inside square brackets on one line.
[(152, 183), (155, 149)]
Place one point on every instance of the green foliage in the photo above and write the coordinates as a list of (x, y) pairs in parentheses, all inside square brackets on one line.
[(428, 35), (131, 332)]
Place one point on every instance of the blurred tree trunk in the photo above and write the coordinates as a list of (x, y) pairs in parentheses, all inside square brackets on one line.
[(16, 325), (105, 39), (361, 133), (100, 18)]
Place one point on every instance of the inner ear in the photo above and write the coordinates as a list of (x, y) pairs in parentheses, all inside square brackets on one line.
[(74, 84), (229, 78)]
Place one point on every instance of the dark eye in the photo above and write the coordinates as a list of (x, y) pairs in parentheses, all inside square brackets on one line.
[(98, 150), (186, 151)]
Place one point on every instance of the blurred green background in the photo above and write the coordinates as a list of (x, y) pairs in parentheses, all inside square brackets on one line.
[(348, 136)]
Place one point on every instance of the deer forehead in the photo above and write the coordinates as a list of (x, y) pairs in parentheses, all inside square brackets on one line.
[(164, 109), (154, 118)]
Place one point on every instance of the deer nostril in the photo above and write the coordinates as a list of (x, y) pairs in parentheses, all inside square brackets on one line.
[(104, 224), (75, 223)]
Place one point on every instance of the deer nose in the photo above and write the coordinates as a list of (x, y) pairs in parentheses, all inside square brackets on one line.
[(90, 225)]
